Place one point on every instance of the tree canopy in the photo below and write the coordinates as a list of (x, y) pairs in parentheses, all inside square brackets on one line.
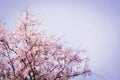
[(26, 54)]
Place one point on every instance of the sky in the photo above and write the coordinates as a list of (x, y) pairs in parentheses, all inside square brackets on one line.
[(90, 24)]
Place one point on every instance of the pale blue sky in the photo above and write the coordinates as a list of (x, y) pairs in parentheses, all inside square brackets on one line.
[(92, 24)]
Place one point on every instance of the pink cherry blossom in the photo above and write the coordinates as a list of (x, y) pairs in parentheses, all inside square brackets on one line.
[(26, 54)]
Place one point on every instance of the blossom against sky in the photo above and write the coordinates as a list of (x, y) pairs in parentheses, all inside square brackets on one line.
[(91, 24)]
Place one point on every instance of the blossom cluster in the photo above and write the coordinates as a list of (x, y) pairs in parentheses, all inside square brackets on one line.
[(26, 54)]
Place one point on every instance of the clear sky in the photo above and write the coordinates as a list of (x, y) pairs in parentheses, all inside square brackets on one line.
[(92, 24)]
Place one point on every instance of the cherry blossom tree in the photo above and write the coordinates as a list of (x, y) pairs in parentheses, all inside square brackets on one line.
[(27, 54)]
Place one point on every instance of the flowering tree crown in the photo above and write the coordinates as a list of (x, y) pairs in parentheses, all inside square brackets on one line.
[(26, 54)]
